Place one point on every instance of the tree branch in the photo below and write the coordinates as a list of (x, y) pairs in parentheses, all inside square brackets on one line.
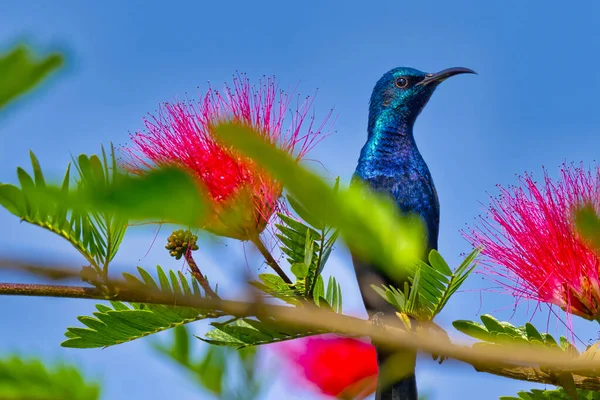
[(73, 292), (309, 317), (532, 374)]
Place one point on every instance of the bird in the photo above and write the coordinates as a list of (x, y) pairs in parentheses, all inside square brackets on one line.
[(390, 164)]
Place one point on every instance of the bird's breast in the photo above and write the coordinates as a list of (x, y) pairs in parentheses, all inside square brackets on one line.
[(413, 191)]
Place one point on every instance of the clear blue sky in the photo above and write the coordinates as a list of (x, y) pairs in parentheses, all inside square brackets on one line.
[(534, 103)]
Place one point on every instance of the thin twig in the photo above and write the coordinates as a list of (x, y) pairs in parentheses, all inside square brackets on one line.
[(73, 292), (270, 260), (197, 274)]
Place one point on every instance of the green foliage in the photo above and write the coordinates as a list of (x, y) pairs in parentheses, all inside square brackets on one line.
[(274, 286), (121, 323), (307, 249), (244, 332), (329, 297), (225, 372), (495, 332), (559, 394), (95, 234), (431, 286), (20, 71), (167, 194), (27, 379), (369, 223)]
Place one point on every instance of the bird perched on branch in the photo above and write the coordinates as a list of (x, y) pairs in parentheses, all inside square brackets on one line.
[(390, 164)]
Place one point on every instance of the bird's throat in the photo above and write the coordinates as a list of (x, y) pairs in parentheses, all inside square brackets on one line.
[(390, 145)]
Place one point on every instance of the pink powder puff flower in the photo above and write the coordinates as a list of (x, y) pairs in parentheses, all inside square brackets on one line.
[(244, 197), (529, 231), (341, 367)]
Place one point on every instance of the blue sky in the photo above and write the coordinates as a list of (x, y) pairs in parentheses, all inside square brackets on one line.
[(533, 104)]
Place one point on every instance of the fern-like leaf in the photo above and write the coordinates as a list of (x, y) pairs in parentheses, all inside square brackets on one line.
[(492, 331), (559, 394), (247, 332), (109, 227), (96, 236), (122, 323), (21, 71), (432, 285), (307, 250), (31, 379)]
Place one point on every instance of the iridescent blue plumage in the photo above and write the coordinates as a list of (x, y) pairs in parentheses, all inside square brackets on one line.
[(390, 163)]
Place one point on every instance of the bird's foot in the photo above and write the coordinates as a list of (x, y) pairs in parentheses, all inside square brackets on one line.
[(377, 320)]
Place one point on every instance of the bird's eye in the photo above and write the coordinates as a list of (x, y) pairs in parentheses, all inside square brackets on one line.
[(401, 82)]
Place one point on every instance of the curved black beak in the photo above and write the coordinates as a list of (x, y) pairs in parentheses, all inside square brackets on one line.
[(444, 74)]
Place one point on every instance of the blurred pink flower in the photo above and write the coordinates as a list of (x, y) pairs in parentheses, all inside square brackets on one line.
[(528, 230), (342, 367)]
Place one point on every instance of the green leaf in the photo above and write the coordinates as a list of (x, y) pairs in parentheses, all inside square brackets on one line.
[(473, 329), (319, 289), (274, 286), (304, 213), (12, 199), (120, 324), (22, 379), (557, 394), (492, 324), (245, 332), (96, 236), (533, 334), (214, 369), (432, 285), (496, 332), (21, 71), (299, 270), (437, 261), (165, 194), (334, 295), (211, 370), (369, 223)]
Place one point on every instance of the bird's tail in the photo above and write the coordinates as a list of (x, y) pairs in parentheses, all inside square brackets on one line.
[(397, 379)]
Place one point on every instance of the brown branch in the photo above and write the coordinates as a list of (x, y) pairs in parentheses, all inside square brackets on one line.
[(270, 260), (197, 274), (309, 317), (125, 292), (72, 292), (532, 374), (511, 361)]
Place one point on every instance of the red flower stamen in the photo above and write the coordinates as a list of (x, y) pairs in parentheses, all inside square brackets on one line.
[(180, 134), (529, 231)]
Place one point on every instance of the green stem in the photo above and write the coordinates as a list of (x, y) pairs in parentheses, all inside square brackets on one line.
[(197, 274), (319, 258), (270, 260)]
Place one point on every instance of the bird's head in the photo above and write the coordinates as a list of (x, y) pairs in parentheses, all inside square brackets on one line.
[(402, 93)]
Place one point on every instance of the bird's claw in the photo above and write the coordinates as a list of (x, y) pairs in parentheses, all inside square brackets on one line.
[(377, 320)]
